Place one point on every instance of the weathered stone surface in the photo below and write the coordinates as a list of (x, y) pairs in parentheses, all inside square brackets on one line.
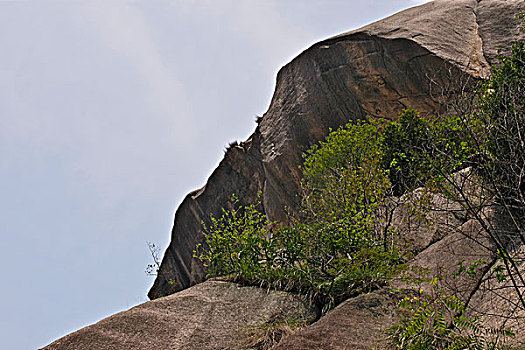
[(240, 172), (407, 60), (337, 81), (357, 324), (496, 26), (497, 303), (211, 315)]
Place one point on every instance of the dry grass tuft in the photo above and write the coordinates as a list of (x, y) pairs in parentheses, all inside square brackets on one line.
[(268, 335)]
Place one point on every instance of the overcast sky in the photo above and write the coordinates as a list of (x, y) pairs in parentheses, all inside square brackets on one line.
[(110, 112)]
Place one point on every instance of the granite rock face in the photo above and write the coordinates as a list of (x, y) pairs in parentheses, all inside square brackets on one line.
[(212, 315), (356, 324), (416, 58), (220, 315)]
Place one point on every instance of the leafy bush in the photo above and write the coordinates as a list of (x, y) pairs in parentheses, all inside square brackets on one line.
[(417, 150), (342, 176), (440, 322), (345, 194), (336, 249), (405, 151), (235, 242), (342, 244)]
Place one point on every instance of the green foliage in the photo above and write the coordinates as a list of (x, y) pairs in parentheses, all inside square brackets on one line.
[(471, 270), (234, 243), (326, 262), (341, 245), (439, 321), (336, 249), (342, 175), (417, 149), (344, 192), (405, 151)]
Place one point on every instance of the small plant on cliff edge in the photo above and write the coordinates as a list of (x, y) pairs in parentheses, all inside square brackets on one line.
[(153, 268), (234, 244)]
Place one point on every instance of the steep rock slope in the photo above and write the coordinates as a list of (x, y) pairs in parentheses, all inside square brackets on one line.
[(415, 58)]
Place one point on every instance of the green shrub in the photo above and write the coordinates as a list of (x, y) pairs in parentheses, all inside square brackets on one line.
[(342, 176), (404, 144), (341, 244), (336, 249), (235, 242), (417, 150), (440, 322), (437, 320)]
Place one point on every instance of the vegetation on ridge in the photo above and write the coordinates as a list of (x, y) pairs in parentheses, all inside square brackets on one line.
[(337, 248), (344, 242), (492, 141)]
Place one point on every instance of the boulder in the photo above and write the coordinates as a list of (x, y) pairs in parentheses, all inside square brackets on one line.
[(211, 315), (357, 324)]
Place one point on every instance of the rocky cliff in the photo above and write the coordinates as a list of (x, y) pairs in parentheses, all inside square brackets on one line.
[(416, 58)]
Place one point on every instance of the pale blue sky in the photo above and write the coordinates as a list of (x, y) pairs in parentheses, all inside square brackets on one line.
[(110, 112)]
